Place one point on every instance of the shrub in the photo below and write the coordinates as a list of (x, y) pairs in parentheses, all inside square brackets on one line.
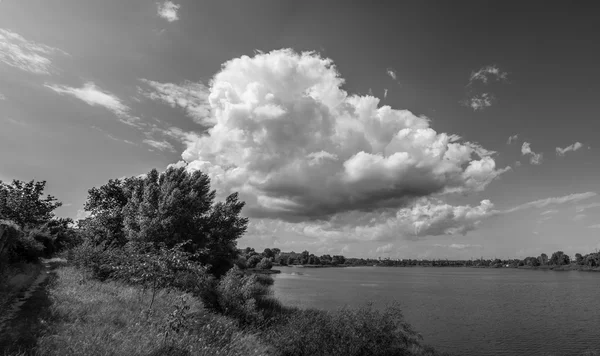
[(265, 263), (364, 331)]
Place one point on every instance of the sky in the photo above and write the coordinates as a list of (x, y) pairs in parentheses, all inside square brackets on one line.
[(420, 129)]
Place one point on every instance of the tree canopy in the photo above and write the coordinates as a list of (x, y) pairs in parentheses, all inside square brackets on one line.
[(24, 204)]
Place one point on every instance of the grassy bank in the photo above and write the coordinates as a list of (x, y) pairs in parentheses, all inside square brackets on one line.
[(88, 317)]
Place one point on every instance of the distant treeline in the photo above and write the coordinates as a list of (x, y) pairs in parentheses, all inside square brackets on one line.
[(252, 259)]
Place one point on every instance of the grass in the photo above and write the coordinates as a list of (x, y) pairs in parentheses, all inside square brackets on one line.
[(88, 317)]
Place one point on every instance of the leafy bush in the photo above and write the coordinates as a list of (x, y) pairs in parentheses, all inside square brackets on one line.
[(265, 263), (364, 331)]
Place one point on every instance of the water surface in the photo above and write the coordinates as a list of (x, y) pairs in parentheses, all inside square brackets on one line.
[(466, 311)]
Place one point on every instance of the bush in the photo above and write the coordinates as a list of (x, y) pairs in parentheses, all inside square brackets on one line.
[(265, 263), (364, 331)]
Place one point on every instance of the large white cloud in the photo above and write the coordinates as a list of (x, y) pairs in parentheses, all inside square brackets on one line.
[(297, 146)]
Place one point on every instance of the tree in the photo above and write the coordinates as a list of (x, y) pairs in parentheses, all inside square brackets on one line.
[(22, 203), (543, 259), (559, 258), (579, 258), (253, 261), (265, 263), (169, 208), (268, 253)]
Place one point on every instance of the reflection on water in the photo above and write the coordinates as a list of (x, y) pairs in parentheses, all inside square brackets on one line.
[(466, 311)]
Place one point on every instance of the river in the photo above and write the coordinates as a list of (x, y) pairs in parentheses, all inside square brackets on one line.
[(465, 311)]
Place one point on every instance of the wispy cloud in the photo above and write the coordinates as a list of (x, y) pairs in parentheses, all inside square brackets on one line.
[(579, 217), (168, 11), (459, 246), (512, 139), (29, 56), (385, 248), (549, 212), (160, 145), (535, 158), (385, 92), (190, 96), (595, 226), (94, 96), (542, 203), (2, 97), (488, 73), (392, 73), (480, 102), (582, 208), (573, 147)]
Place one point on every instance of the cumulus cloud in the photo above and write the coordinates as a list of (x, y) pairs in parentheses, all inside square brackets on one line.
[(296, 146), (189, 96), (573, 147), (168, 11), (29, 56), (385, 248), (392, 73), (512, 139), (480, 102), (535, 158), (487, 74)]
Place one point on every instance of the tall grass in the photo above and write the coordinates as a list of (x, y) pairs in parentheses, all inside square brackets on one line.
[(89, 317)]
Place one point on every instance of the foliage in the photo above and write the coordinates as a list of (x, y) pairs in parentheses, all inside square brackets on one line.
[(22, 202), (265, 263), (168, 208), (94, 318), (363, 331), (559, 258)]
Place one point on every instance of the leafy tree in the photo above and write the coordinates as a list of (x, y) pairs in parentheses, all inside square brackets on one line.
[(559, 258), (23, 203), (276, 251), (268, 253), (579, 258), (168, 208), (543, 258), (265, 263), (253, 261)]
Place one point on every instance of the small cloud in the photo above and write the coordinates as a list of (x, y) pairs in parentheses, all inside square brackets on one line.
[(2, 97), (549, 212), (385, 92), (392, 73), (168, 11), (542, 203), (93, 96), (12, 121), (512, 139), (385, 248), (160, 145), (82, 214), (574, 147), (596, 226), (582, 208), (487, 73), (480, 102), (536, 158), (459, 246), (579, 217), (29, 56), (190, 96), (518, 163)]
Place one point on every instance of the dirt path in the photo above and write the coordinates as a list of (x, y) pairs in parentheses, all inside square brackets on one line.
[(24, 318)]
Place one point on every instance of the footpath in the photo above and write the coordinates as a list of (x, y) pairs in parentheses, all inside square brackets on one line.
[(24, 318)]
